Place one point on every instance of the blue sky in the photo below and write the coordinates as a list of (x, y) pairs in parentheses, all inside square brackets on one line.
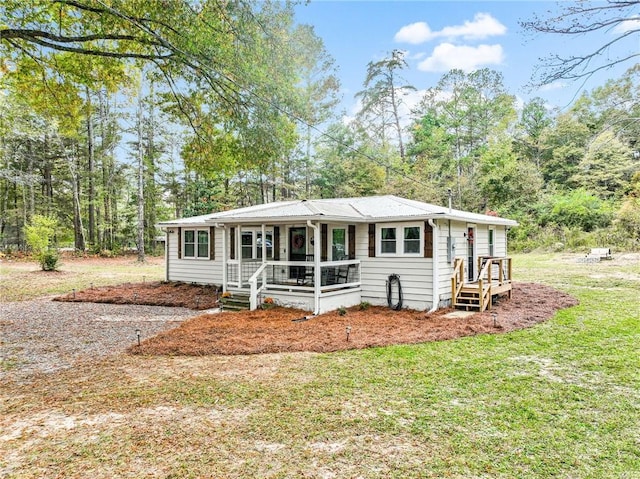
[(439, 36)]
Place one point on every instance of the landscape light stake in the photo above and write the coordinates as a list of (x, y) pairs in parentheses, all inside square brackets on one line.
[(138, 335), (74, 293), (495, 319), (135, 296), (197, 302), (348, 329), (91, 285)]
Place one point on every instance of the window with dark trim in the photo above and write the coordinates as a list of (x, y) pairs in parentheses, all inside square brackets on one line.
[(195, 243), (400, 240)]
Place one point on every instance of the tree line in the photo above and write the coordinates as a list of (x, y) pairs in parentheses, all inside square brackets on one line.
[(117, 117)]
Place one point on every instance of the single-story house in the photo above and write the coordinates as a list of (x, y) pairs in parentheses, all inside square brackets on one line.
[(319, 255)]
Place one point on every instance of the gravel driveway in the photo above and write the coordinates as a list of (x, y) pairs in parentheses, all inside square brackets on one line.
[(42, 336)]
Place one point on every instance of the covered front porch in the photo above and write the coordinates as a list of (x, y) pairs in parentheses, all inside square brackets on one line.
[(310, 266)]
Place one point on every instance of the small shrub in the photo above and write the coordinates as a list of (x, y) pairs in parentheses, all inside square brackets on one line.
[(49, 260), (365, 305), (342, 310)]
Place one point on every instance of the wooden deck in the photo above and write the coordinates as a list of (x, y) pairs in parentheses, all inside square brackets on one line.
[(494, 279)]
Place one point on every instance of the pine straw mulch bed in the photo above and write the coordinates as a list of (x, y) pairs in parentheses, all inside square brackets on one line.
[(156, 293), (274, 330)]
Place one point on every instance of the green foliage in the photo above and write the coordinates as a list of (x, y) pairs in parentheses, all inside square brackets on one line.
[(364, 305), (607, 166), (49, 260), (580, 209), (39, 234), (342, 311)]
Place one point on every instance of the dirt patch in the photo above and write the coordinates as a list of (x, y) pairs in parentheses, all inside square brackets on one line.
[(157, 293)]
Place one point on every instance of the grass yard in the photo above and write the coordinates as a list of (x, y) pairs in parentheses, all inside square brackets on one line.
[(561, 399), (21, 280)]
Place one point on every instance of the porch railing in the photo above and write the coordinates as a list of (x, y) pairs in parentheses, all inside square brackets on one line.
[(494, 278), (292, 276)]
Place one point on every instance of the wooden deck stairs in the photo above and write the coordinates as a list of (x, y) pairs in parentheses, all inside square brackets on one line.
[(494, 279), (237, 301)]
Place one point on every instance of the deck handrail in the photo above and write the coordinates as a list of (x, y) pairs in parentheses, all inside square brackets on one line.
[(457, 278), (486, 283)]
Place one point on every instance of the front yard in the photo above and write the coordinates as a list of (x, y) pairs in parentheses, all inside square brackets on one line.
[(560, 399)]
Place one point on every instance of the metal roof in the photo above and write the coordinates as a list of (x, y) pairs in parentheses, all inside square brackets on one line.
[(370, 209)]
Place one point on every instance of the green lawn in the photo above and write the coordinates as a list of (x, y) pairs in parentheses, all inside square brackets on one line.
[(21, 280), (559, 400)]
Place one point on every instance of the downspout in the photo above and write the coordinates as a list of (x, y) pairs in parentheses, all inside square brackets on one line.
[(316, 266), (225, 254), (435, 293)]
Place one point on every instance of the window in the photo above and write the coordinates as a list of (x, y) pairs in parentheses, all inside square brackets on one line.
[(401, 240), (388, 241), (247, 244), (338, 244), (412, 240), (269, 241), (196, 244), (251, 244), (491, 242)]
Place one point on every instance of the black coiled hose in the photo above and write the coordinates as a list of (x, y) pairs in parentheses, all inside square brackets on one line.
[(394, 279)]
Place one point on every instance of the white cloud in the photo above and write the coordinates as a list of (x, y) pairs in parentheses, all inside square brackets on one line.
[(632, 23), (557, 85), (414, 33), (447, 56), (482, 26)]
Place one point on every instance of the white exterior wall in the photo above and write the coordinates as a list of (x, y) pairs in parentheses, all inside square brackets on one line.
[(191, 270), (415, 274), (458, 231)]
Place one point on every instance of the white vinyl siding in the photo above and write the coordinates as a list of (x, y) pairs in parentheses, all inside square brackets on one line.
[(415, 272), (188, 270)]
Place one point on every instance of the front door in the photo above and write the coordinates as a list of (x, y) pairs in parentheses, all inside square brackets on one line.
[(297, 249), (471, 256)]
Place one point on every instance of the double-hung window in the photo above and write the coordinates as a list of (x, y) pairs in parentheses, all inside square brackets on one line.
[(388, 241), (251, 243), (196, 244), (400, 240)]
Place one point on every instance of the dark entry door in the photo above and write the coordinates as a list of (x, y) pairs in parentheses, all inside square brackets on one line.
[(471, 257), (297, 249)]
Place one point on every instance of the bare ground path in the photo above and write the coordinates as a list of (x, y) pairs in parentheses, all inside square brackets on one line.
[(42, 336)]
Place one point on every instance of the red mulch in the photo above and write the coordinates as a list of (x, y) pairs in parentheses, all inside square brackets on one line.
[(273, 330)]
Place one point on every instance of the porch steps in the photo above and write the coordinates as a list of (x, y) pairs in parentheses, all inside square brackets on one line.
[(469, 297), (235, 302)]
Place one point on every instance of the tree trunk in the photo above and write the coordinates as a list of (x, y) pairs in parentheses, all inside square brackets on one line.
[(141, 257), (78, 228), (90, 168)]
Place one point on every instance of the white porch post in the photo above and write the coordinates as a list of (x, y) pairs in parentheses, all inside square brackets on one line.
[(238, 241), (225, 254), (317, 280)]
